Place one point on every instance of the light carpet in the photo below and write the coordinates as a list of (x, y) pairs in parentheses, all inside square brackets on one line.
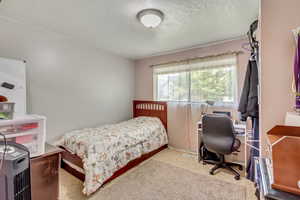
[(157, 180), (168, 175)]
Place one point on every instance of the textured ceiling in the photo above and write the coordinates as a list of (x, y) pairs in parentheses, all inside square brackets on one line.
[(112, 25)]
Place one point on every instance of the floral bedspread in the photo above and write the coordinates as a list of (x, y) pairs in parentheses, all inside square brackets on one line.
[(106, 149)]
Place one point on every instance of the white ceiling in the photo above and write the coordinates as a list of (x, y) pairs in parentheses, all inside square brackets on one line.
[(112, 25)]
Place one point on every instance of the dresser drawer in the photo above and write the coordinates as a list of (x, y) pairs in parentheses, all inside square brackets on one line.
[(44, 177)]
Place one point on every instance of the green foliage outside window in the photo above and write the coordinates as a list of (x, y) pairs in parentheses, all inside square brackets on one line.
[(214, 84)]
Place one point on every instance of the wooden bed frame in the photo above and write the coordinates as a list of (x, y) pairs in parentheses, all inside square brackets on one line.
[(140, 108)]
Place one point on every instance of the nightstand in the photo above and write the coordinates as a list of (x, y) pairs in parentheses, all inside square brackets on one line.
[(45, 174)]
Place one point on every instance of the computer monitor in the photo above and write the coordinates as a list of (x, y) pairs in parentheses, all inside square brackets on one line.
[(223, 112)]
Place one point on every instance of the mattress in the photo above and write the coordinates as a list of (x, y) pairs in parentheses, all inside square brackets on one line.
[(106, 149)]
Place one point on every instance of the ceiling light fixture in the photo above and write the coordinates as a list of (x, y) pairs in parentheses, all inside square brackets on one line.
[(150, 18)]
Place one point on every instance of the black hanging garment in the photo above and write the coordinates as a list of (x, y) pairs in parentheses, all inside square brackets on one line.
[(248, 106), (249, 99)]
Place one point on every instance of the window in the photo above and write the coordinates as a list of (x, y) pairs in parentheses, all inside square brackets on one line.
[(198, 80)]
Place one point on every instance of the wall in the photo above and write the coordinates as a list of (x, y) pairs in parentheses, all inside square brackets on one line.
[(73, 85), (182, 118), (278, 18)]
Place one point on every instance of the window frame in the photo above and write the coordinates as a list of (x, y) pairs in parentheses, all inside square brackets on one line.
[(189, 101)]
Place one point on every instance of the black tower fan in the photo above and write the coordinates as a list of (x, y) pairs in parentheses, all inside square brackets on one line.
[(14, 172)]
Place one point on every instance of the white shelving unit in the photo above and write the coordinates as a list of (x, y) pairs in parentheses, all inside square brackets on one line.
[(33, 138)]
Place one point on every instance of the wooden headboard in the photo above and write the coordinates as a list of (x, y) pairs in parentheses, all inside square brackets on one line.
[(152, 109)]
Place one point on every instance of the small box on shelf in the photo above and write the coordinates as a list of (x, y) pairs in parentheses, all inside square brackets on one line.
[(6, 110)]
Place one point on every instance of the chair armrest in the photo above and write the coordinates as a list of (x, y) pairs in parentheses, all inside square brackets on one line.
[(236, 145)]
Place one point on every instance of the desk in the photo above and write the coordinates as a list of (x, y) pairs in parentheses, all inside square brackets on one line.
[(244, 135)]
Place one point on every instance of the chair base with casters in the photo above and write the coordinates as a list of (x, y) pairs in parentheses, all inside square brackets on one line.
[(227, 165)]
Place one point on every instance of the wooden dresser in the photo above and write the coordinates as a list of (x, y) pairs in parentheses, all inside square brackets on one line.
[(45, 174), (284, 147), (263, 183)]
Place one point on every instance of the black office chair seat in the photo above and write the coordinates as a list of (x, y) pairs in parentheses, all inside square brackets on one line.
[(219, 137)]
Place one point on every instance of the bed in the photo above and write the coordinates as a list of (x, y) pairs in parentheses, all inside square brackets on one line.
[(98, 155)]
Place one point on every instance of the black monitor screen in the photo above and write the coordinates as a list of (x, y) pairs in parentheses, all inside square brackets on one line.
[(223, 112)]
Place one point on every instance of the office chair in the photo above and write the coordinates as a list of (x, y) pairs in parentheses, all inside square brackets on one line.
[(219, 137)]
